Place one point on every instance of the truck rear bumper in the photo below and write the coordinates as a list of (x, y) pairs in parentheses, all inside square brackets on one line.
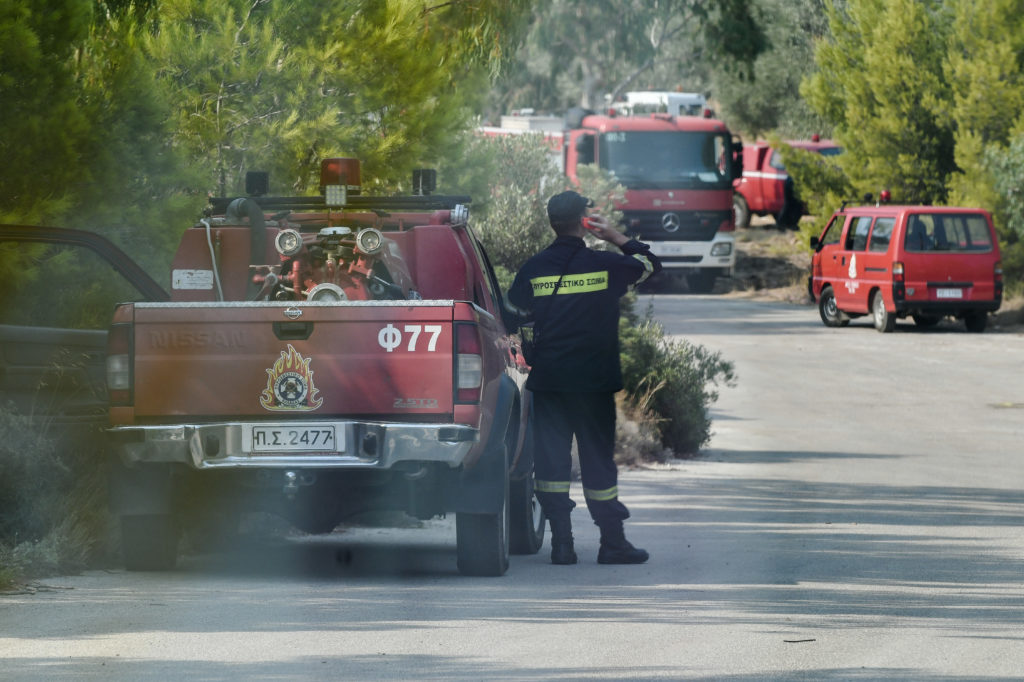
[(229, 445)]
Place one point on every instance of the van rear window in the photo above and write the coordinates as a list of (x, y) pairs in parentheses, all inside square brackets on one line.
[(956, 232)]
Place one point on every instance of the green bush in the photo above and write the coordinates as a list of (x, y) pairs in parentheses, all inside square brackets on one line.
[(53, 494), (673, 380)]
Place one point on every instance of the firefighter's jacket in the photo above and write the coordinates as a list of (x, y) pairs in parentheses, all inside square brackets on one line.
[(577, 328)]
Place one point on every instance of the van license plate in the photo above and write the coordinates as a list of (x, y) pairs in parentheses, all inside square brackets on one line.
[(949, 293), (295, 438)]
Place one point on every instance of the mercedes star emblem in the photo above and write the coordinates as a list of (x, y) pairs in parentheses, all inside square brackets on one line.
[(670, 221)]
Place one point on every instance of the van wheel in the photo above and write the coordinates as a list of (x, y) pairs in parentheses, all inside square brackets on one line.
[(885, 321), (830, 314), (976, 322), (742, 211)]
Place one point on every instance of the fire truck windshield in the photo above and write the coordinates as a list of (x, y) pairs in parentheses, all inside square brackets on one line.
[(666, 160)]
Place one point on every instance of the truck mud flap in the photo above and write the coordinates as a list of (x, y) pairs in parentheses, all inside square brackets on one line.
[(481, 489)]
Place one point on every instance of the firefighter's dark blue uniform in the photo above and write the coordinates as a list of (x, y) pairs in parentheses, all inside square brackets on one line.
[(576, 371)]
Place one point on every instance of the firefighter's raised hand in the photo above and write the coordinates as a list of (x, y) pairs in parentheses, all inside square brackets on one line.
[(598, 226)]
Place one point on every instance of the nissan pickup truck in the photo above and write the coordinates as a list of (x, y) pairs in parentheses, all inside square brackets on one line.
[(319, 358)]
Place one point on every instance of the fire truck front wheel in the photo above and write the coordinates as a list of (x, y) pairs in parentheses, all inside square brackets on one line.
[(741, 211), (701, 282)]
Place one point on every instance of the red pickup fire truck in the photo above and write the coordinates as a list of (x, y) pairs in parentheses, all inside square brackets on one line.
[(321, 357), (765, 187), (678, 172)]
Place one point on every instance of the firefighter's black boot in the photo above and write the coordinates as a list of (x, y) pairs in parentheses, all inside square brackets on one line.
[(616, 549), (562, 551)]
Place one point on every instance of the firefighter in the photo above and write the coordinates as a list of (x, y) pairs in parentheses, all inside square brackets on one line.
[(572, 295)]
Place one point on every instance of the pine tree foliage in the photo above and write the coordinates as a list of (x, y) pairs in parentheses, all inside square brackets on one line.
[(40, 122), (881, 81), (280, 86), (986, 73)]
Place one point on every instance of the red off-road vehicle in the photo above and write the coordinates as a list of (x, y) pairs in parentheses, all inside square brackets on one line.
[(318, 357)]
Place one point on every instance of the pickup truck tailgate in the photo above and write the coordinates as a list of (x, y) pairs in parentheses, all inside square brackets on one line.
[(265, 360)]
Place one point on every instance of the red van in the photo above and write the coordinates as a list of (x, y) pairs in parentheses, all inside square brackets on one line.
[(927, 262)]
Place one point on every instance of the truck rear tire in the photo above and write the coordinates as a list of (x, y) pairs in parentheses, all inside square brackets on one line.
[(527, 524), (741, 212), (149, 542), (976, 322), (482, 540)]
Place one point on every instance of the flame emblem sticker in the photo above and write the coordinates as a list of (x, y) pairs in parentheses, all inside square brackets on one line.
[(290, 385)]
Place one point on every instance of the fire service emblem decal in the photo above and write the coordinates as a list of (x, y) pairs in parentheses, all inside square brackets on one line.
[(290, 385)]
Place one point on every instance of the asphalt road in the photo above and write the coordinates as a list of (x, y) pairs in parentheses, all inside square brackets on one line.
[(857, 516)]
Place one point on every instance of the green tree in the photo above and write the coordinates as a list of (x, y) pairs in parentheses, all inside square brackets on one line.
[(771, 100), (578, 51), (280, 86), (881, 82), (40, 122), (984, 68)]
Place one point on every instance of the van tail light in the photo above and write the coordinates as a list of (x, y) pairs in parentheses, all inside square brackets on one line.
[(899, 283), (119, 365), (469, 363)]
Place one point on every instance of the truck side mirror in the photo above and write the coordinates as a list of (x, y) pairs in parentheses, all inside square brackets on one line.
[(584, 149), (737, 160), (815, 244)]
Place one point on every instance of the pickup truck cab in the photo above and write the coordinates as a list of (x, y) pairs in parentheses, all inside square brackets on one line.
[(343, 354), (890, 262), (765, 188)]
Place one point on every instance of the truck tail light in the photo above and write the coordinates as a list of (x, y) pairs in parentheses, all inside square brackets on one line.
[(997, 273), (119, 364), (899, 284), (468, 363)]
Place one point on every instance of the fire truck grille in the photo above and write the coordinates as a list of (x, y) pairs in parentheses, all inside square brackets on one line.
[(690, 226)]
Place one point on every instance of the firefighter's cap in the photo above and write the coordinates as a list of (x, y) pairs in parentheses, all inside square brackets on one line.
[(567, 207)]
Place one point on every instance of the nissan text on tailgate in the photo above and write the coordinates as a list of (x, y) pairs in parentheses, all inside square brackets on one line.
[(344, 354)]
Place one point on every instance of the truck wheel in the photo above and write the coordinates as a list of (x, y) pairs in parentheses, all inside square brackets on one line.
[(976, 322), (741, 212), (925, 321), (885, 321), (482, 540), (830, 314), (527, 534), (700, 282), (149, 542)]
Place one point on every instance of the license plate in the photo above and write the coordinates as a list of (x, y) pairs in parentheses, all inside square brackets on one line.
[(296, 438), (666, 249), (949, 293)]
